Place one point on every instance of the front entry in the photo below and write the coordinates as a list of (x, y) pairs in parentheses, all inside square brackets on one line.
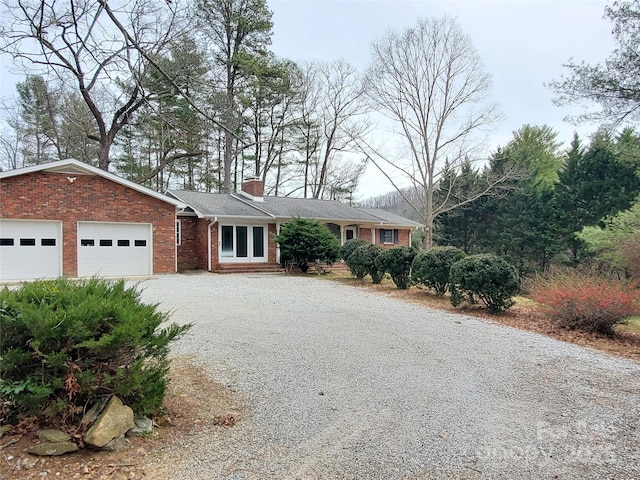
[(242, 243)]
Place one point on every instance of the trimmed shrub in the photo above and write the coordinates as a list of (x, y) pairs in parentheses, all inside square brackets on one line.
[(580, 301), (431, 267), (357, 269), (66, 344), (490, 278), (397, 262), (349, 246), (304, 240), (363, 259)]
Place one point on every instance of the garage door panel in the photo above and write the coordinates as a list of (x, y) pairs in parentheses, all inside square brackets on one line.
[(30, 249), (114, 249)]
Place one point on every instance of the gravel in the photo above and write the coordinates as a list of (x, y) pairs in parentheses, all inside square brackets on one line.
[(346, 384)]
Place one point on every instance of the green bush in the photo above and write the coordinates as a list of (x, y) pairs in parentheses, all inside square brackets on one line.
[(346, 250), (349, 246), (488, 277), (303, 240), (397, 262), (363, 259), (65, 344), (431, 267)]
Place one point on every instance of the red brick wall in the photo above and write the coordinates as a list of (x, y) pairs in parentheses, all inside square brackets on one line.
[(365, 234), (271, 244), (403, 238), (51, 196)]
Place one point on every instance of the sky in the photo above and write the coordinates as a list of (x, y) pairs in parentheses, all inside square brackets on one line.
[(523, 45)]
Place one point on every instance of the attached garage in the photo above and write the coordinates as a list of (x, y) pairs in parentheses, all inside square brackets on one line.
[(67, 218), (114, 249), (30, 249)]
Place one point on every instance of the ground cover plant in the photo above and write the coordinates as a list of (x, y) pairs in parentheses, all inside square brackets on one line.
[(584, 301), (65, 344)]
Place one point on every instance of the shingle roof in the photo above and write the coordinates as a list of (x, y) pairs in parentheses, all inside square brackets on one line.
[(391, 218), (236, 205), (217, 204)]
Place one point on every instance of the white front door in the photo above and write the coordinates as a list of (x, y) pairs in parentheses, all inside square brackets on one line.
[(350, 233), (114, 249), (30, 249)]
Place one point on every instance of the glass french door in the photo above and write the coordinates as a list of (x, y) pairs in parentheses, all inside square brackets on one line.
[(242, 243)]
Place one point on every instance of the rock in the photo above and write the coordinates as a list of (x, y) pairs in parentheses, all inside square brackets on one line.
[(52, 449), (94, 411), (144, 426), (4, 429), (119, 443), (53, 436), (115, 420)]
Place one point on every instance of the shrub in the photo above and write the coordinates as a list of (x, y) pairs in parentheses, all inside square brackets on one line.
[(431, 267), (349, 246), (363, 259), (580, 301), (303, 240), (357, 270), (66, 344), (490, 278), (397, 262)]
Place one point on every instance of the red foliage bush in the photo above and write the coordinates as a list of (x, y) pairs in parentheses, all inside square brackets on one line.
[(586, 302)]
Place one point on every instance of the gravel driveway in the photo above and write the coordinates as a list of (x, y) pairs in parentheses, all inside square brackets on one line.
[(346, 384)]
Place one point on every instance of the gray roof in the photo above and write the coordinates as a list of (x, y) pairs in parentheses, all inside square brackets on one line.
[(391, 218), (218, 204), (237, 205)]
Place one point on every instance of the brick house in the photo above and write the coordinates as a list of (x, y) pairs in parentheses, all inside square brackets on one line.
[(69, 218), (234, 232)]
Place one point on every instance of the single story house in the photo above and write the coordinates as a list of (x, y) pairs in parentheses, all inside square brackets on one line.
[(68, 218), (219, 232)]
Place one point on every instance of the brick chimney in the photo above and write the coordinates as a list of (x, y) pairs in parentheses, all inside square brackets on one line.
[(254, 188)]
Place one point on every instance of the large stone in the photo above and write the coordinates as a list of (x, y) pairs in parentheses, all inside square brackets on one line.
[(53, 436), (144, 426), (115, 420), (52, 449), (94, 411), (116, 444)]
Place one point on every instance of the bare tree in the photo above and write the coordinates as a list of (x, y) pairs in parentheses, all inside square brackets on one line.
[(430, 81), (76, 42), (331, 123)]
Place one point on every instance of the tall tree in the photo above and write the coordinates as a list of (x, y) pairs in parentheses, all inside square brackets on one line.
[(615, 84), (431, 81), (237, 31), (76, 42)]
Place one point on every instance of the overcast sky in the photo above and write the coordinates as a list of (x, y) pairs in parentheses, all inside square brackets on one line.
[(523, 45)]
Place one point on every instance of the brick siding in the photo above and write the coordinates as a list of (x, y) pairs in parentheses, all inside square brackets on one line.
[(51, 196)]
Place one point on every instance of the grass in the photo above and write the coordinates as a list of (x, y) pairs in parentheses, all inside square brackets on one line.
[(632, 326)]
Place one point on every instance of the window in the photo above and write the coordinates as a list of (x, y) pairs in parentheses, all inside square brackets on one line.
[(178, 232), (388, 237), (87, 242), (27, 242), (258, 241), (106, 243), (6, 242), (227, 241), (139, 243), (48, 242), (123, 243), (241, 239)]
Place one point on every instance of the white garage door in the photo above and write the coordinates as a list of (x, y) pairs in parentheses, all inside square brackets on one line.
[(114, 249), (30, 249)]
